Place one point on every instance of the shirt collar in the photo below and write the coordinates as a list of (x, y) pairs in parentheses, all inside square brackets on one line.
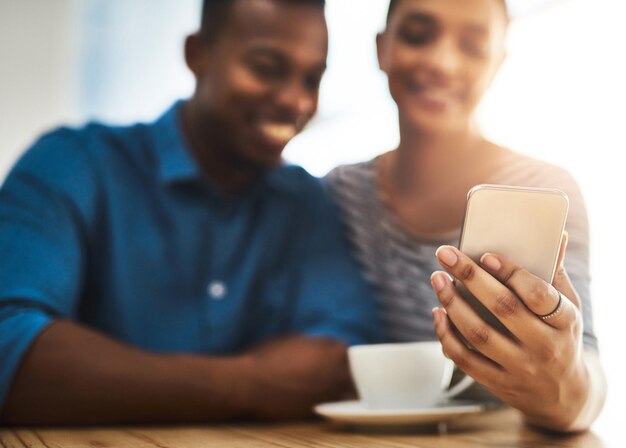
[(286, 178), (176, 163)]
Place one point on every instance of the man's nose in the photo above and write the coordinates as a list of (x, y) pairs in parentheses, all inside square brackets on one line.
[(295, 97)]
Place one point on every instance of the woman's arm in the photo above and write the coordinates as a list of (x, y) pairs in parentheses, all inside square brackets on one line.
[(591, 387)]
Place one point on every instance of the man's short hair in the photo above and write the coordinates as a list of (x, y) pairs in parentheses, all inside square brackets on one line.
[(215, 14), (393, 3)]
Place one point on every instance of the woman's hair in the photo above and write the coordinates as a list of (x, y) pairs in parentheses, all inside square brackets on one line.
[(215, 14), (393, 3)]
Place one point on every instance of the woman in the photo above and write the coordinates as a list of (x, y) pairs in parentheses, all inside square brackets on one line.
[(404, 210)]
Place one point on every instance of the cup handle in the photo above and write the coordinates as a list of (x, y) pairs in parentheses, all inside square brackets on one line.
[(459, 387)]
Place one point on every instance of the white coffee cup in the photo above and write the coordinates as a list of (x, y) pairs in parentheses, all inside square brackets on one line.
[(403, 375)]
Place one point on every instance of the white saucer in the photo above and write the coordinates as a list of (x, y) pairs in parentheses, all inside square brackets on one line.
[(356, 413)]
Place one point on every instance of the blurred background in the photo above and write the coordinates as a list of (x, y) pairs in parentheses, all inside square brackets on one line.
[(560, 97)]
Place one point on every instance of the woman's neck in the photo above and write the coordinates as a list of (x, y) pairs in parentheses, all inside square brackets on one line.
[(423, 160), (425, 181)]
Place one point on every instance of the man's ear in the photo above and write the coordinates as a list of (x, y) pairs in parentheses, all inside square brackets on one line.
[(196, 55)]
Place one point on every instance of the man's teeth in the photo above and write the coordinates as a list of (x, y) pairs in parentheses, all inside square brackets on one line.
[(281, 132)]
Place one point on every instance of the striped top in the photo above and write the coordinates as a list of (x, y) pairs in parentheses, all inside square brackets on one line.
[(399, 266)]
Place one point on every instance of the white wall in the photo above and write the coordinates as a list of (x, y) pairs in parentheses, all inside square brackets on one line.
[(132, 64), (66, 61), (38, 82)]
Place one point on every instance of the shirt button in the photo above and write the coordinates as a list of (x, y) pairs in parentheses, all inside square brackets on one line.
[(217, 290)]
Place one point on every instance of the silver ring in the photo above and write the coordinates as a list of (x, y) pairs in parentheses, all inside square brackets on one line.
[(557, 310)]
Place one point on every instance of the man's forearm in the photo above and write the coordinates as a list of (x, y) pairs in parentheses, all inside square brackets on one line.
[(72, 375)]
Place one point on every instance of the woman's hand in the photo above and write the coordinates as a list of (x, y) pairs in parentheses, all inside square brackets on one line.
[(541, 370)]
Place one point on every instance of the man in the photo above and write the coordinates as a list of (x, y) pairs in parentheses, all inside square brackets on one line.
[(178, 271)]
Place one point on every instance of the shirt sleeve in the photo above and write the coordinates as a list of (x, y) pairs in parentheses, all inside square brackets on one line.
[(334, 299), (41, 242)]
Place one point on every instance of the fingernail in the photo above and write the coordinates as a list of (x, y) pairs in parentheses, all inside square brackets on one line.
[(491, 262), (447, 256), (437, 280), (436, 315)]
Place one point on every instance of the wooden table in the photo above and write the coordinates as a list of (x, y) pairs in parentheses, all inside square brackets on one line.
[(501, 428)]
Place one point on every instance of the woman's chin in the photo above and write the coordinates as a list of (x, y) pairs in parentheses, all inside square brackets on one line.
[(436, 123)]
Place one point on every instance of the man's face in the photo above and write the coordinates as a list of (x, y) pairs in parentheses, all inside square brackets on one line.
[(258, 82)]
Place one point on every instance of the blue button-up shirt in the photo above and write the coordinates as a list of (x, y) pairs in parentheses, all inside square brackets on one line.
[(117, 228)]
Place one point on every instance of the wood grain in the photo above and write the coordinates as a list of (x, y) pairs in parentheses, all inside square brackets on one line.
[(502, 428)]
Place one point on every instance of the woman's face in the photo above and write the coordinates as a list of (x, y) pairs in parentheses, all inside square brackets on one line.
[(440, 56)]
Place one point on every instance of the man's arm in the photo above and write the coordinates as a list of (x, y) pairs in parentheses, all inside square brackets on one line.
[(72, 375), (334, 300)]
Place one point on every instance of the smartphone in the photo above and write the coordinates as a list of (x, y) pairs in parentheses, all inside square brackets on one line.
[(523, 224)]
